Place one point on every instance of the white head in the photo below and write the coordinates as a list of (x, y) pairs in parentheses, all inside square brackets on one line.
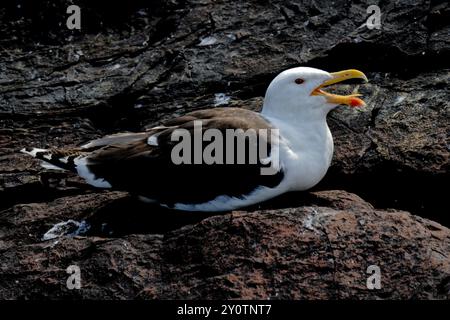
[(297, 93)]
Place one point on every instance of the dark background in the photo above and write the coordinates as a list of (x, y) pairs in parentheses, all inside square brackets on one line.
[(134, 64)]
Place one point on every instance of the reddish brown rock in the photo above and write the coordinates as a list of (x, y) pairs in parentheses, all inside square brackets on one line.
[(307, 252)]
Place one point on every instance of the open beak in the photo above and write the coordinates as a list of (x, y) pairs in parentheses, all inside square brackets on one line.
[(350, 100)]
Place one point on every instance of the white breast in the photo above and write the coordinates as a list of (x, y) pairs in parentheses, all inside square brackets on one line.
[(306, 150)]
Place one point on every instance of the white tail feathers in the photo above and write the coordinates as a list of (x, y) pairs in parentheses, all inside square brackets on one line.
[(33, 152), (67, 160), (46, 155)]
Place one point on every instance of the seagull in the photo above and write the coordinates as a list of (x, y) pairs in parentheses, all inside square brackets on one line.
[(295, 108)]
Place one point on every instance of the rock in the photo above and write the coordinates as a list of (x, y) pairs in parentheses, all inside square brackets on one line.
[(135, 65), (306, 252)]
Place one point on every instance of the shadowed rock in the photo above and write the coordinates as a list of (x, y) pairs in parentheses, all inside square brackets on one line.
[(135, 65), (307, 252)]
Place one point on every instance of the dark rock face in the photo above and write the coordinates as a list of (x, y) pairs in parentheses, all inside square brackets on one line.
[(307, 252), (134, 66)]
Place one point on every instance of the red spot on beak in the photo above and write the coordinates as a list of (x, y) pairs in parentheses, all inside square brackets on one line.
[(356, 102)]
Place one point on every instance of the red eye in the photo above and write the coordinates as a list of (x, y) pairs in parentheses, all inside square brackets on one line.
[(299, 81)]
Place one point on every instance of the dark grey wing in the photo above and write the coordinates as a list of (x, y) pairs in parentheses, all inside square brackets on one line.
[(145, 166)]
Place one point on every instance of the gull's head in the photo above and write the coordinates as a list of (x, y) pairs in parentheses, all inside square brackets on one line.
[(299, 92)]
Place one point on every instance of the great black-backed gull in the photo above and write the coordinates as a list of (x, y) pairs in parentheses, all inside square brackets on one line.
[(295, 107)]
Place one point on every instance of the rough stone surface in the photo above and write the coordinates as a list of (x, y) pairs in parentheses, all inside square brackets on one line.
[(134, 65), (307, 252)]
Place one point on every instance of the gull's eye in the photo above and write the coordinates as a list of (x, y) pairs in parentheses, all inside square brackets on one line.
[(299, 81)]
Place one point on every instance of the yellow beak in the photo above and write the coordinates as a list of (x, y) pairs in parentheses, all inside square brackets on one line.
[(350, 100)]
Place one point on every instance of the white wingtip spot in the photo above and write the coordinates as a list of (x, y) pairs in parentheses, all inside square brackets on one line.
[(64, 160), (153, 140)]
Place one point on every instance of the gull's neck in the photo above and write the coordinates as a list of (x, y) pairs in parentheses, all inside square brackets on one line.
[(306, 147), (303, 127), (296, 128)]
